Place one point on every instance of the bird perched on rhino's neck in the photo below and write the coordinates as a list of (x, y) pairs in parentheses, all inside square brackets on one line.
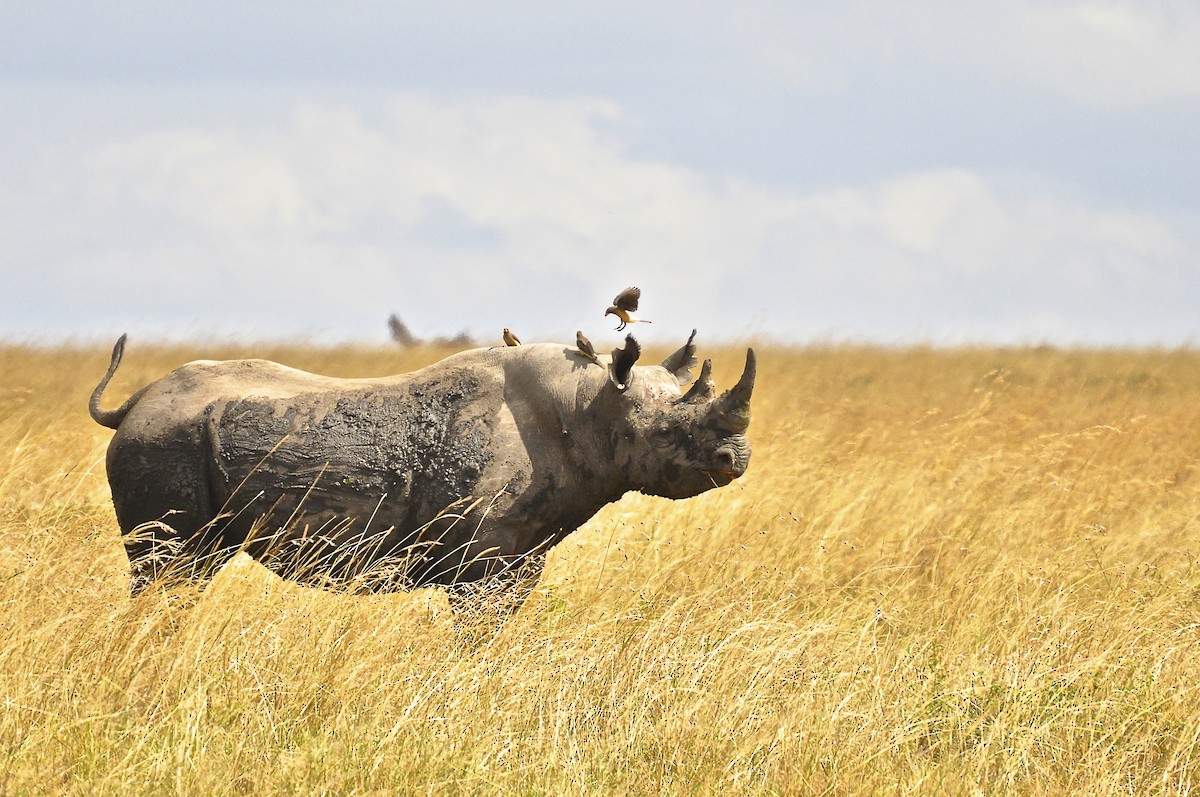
[(510, 339), (625, 305)]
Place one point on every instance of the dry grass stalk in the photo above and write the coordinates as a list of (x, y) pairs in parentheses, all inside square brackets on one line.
[(957, 572)]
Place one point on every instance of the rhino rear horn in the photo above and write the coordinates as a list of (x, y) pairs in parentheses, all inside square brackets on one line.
[(681, 362), (703, 389), (731, 411), (622, 362)]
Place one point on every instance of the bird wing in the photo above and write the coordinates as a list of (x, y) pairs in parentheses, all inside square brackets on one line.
[(627, 299)]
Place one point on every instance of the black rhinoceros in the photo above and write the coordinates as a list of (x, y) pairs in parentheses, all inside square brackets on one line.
[(462, 474)]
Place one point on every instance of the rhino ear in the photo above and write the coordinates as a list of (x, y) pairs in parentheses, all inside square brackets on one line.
[(682, 361), (621, 368)]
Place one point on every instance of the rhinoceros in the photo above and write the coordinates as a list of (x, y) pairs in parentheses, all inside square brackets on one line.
[(461, 474)]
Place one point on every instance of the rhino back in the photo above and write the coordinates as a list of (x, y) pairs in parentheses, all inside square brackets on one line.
[(401, 453)]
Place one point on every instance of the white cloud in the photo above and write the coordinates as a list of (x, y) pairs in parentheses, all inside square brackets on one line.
[(1112, 53), (955, 255), (1105, 53), (456, 213), (510, 211), (1102, 53)]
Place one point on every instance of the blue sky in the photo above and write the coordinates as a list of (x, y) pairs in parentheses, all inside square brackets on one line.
[(937, 172)]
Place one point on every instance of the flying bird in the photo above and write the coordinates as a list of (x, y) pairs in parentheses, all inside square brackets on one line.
[(585, 347), (624, 306), (510, 339)]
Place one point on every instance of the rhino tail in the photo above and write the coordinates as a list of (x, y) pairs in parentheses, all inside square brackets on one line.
[(111, 418)]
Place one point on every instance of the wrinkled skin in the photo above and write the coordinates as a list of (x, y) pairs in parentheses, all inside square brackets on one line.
[(461, 474)]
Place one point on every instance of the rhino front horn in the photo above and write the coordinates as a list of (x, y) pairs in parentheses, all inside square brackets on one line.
[(732, 410)]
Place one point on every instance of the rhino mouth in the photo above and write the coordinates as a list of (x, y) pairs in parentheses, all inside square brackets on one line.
[(720, 478)]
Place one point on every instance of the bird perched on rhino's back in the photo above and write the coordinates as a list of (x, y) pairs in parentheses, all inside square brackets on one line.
[(510, 339), (585, 347), (625, 305), (461, 474)]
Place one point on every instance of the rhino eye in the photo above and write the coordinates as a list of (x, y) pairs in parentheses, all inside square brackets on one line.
[(661, 433)]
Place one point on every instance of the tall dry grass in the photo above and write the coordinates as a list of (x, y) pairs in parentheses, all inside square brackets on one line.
[(946, 572)]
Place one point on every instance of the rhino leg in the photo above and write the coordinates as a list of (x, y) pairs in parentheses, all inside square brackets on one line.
[(165, 510), (492, 600), (161, 552)]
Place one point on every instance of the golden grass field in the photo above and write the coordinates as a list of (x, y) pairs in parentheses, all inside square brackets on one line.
[(962, 571)]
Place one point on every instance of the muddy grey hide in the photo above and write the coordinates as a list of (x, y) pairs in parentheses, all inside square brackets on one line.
[(461, 474)]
